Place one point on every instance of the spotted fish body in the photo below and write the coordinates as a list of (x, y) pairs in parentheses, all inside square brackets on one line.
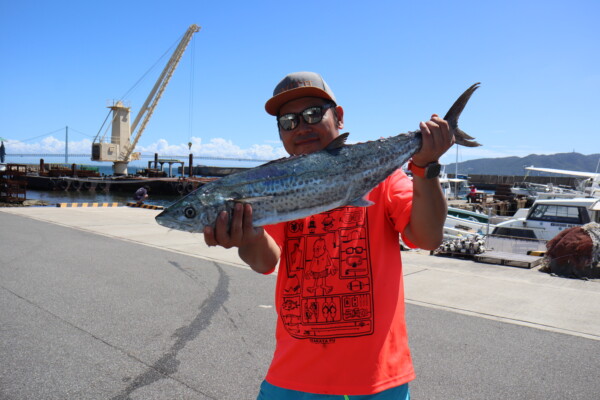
[(300, 186)]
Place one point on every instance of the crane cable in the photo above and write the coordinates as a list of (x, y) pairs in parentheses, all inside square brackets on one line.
[(107, 127), (168, 51), (191, 101), (100, 130), (135, 85)]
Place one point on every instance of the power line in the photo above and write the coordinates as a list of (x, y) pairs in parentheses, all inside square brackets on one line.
[(81, 133), (45, 134)]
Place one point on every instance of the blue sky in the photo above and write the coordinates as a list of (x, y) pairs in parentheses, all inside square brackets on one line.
[(391, 64)]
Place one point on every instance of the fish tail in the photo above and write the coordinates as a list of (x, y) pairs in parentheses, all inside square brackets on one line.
[(452, 118)]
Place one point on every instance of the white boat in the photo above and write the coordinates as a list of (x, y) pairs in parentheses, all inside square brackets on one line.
[(588, 187), (538, 190), (454, 188), (548, 217), (461, 222)]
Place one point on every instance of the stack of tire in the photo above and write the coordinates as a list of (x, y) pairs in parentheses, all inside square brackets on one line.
[(469, 245)]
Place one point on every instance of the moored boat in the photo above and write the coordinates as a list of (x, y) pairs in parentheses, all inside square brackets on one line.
[(460, 222), (548, 217)]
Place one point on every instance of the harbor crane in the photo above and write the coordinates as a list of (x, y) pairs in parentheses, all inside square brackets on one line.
[(121, 148)]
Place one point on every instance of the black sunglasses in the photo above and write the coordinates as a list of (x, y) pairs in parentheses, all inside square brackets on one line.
[(311, 115)]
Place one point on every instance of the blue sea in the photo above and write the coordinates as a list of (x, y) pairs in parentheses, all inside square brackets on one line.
[(54, 197), (62, 196)]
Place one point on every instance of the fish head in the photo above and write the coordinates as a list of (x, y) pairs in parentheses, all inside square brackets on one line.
[(194, 211)]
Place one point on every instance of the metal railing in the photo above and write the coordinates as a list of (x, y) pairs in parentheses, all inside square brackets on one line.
[(516, 245)]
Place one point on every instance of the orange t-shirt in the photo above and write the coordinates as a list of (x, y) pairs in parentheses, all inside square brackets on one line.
[(340, 297)]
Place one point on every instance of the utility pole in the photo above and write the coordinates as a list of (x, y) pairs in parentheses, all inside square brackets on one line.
[(66, 144), (456, 174)]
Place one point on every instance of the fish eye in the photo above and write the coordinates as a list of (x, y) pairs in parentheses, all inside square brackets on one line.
[(189, 212)]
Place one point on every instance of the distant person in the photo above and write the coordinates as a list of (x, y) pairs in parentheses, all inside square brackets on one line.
[(472, 196), (141, 194), (2, 152)]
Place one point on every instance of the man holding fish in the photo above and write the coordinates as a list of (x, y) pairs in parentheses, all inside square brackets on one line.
[(346, 338)]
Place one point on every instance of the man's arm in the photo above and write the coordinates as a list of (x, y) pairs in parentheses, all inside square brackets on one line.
[(429, 207), (255, 246)]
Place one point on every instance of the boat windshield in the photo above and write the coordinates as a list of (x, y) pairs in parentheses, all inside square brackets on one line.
[(559, 213)]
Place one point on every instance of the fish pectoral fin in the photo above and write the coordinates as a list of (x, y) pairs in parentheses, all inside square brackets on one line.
[(337, 143), (361, 202)]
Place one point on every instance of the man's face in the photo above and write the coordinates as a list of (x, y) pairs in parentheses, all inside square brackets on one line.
[(308, 138)]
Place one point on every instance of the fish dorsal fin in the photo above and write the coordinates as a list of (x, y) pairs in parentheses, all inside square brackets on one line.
[(338, 142)]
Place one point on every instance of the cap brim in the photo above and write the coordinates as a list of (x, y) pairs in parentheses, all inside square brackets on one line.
[(274, 103)]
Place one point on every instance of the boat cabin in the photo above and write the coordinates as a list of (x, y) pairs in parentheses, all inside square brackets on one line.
[(547, 218)]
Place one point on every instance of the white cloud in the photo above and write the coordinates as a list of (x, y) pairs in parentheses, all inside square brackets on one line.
[(49, 145), (216, 147)]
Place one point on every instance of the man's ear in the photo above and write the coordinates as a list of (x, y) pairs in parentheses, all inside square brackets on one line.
[(339, 111)]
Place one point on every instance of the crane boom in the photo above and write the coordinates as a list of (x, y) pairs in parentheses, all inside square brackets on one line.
[(120, 149), (159, 87)]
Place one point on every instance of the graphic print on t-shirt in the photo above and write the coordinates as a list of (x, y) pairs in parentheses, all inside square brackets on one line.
[(328, 290)]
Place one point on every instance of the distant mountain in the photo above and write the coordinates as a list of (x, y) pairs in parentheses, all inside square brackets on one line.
[(516, 165)]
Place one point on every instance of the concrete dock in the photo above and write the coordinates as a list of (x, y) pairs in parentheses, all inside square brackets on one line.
[(105, 303)]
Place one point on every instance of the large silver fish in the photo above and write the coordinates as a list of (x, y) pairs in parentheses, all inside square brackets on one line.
[(300, 186)]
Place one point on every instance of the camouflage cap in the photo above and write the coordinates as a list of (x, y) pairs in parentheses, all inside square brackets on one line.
[(295, 86)]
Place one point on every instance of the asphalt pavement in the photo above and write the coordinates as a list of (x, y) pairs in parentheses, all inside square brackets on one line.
[(103, 303)]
